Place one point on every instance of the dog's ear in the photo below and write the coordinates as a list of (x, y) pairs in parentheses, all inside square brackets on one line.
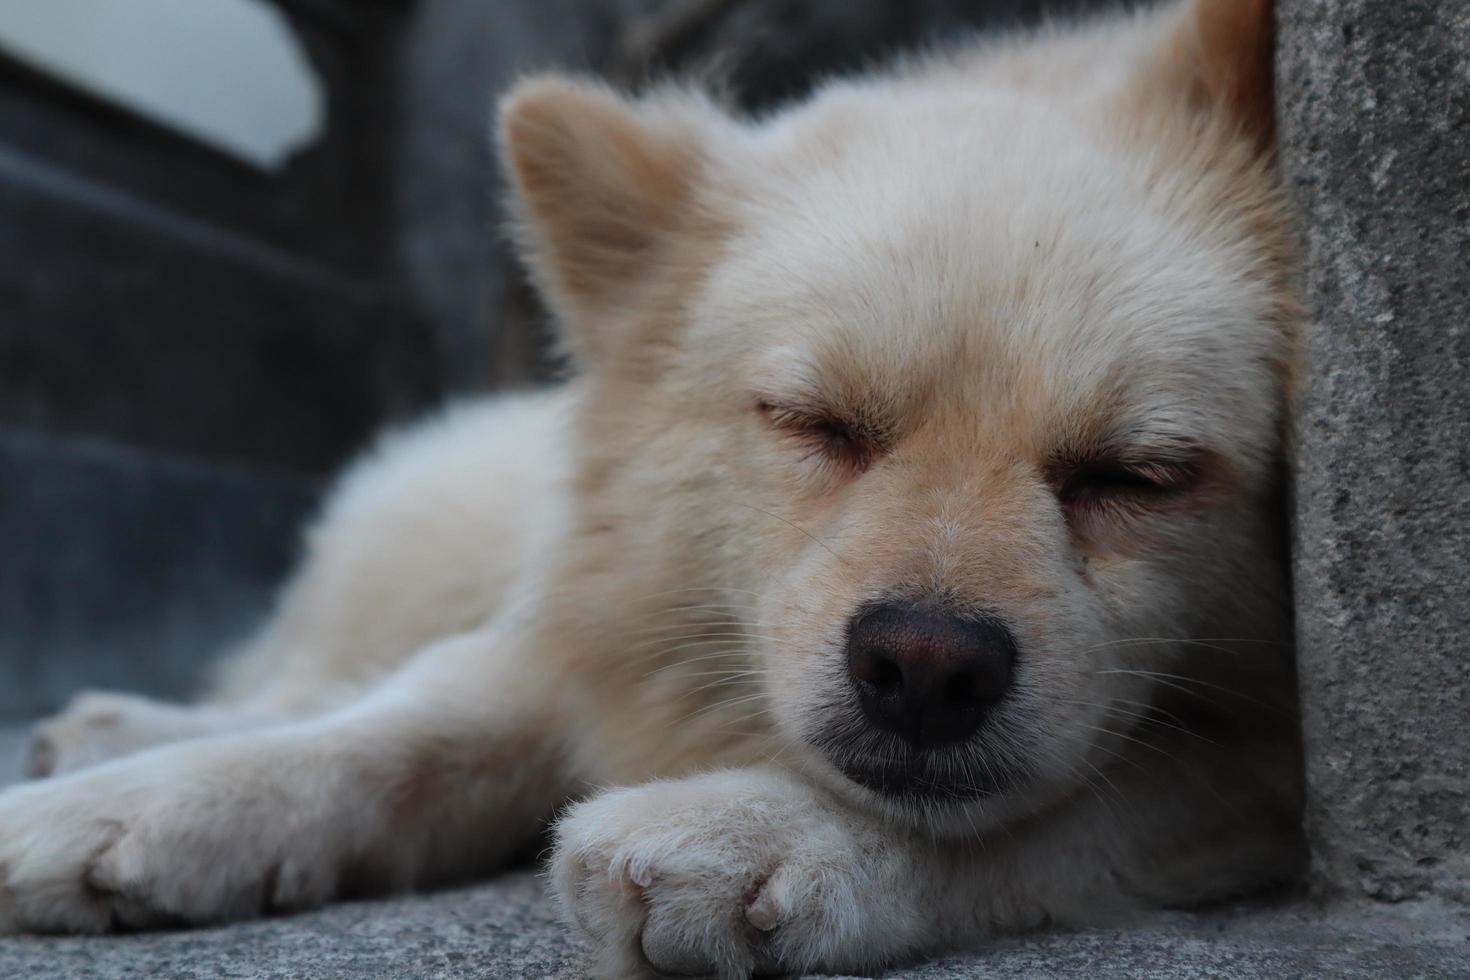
[(604, 190), (1219, 54)]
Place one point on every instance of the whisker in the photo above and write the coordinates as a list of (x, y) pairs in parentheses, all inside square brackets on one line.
[(721, 682), (667, 627), (703, 634), (677, 648), (733, 672), (1192, 639), (1152, 707), (1137, 741), (730, 608), (793, 526), (729, 650), (1114, 798), (658, 647), (699, 588), (731, 727), (1123, 758), (1206, 643), (719, 705), (1147, 716), (1178, 682)]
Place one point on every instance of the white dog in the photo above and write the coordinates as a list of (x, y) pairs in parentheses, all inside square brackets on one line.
[(906, 549)]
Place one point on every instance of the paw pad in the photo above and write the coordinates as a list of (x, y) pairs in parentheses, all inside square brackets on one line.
[(765, 905)]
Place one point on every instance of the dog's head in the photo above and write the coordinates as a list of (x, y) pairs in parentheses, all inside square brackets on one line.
[(963, 386)]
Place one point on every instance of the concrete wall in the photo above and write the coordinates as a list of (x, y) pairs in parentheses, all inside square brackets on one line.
[(1374, 102)]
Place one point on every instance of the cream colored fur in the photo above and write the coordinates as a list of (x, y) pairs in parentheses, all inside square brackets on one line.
[(1001, 268)]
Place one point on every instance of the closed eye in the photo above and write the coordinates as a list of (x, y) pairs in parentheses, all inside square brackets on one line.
[(1099, 480), (823, 435), (1103, 488)]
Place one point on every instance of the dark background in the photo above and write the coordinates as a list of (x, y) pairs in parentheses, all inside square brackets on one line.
[(190, 346)]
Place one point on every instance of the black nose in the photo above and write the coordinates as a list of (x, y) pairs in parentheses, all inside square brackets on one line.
[(927, 676)]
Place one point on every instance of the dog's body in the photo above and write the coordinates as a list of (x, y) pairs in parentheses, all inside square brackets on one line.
[(907, 544)]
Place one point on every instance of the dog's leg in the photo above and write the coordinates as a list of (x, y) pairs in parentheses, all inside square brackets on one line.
[(444, 770), (756, 871), (97, 726)]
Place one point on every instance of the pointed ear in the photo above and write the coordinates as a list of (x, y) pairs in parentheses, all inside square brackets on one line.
[(603, 191), (1220, 54)]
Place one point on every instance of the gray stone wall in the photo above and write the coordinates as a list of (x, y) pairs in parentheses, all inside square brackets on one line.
[(1374, 102)]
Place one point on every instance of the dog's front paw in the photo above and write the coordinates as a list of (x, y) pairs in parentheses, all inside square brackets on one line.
[(173, 836), (98, 726), (722, 875)]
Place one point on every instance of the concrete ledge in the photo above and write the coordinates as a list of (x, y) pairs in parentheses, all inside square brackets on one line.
[(507, 930)]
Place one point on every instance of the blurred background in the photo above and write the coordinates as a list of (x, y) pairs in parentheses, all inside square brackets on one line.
[(237, 237)]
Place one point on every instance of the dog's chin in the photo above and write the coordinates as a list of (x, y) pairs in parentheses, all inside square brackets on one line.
[(918, 783), (897, 777)]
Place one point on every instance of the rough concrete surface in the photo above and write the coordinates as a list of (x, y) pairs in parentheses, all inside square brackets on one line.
[(1375, 127), (507, 930)]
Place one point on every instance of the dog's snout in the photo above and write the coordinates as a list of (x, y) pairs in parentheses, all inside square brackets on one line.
[(926, 676)]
